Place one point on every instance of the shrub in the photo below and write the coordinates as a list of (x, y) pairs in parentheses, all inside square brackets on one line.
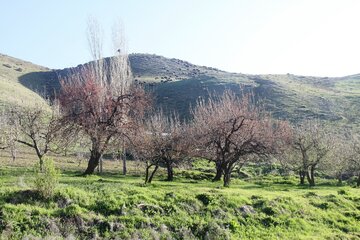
[(108, 205), (46, 180), (214, 231), (321, 205), (72, 210), (197, 175), (206, 199), (65, 196), (268, 211), (310, 194), (342, 192)]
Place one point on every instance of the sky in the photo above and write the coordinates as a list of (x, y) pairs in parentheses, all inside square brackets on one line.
[(303, 37)]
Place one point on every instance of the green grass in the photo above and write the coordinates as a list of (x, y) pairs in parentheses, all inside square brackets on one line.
[(350, 86), (115, 206)]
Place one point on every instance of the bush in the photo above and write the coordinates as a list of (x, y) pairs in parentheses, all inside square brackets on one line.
[(205, 198), (46, 180), (73, 210), (321, 205), (342, 192)]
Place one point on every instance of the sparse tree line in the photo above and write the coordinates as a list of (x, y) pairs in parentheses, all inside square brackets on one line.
[(228, 130), (102, 106)]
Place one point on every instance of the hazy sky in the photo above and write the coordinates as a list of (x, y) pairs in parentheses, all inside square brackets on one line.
[(306, 37)]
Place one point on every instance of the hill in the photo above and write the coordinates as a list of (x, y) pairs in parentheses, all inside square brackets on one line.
[(177, 84), (13, 91), (287, 96)]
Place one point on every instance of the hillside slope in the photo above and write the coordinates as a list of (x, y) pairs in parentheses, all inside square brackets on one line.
[(177, 84), (12, 90)]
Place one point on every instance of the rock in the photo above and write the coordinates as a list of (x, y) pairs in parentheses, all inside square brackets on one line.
[(170, 195), (70, 237), (116, 226), (64, 202), (52, 227), (247, 210), (79, 222), (123, 210)]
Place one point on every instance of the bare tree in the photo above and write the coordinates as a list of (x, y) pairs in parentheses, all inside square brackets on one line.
[(38, 129), (101, 101), (124, 158), (355, 160), (162, 142), (339, 159), (98, 113), (228, 129), (291, 162), (3, 133), (8, 133), (310, 145)]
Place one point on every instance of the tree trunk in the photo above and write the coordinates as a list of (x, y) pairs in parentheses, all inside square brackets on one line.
[(93, 161), (302, 177), (219, 170), (40, 156), (124, 162), (170, 172), (339, 181), (13, 152), (41, 161), (227, 174), (147, 173), (100, 168), (310, 176), (152, 174), (339, 177)]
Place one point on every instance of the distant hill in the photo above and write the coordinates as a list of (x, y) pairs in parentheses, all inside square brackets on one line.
[(177, 84), (336, 100)]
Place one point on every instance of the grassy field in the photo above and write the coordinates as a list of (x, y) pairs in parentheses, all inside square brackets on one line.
[(113, 206)]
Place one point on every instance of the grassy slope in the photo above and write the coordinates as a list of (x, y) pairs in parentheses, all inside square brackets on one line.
[(12, 90), (112, 205)]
